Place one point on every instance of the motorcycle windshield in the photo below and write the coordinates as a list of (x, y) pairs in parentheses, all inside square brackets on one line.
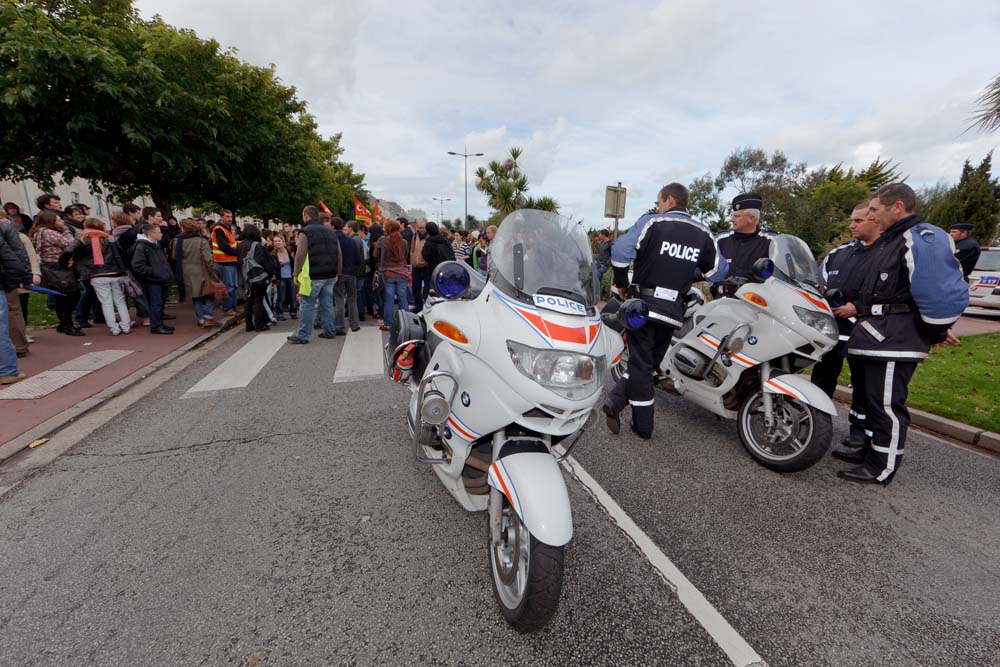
[(539, 257), (794, 262)]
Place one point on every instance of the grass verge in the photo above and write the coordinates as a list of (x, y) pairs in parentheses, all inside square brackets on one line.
[(960, 383)]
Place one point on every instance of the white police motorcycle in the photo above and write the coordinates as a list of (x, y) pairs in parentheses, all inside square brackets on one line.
[(740, 357), (500, 371)]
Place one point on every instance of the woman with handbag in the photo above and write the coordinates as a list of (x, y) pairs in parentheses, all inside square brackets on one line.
[(197, 276), (96, 258), (50, 239)]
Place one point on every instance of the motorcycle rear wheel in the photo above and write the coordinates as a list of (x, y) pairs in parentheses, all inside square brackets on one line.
[(527, 575), (800, 437)]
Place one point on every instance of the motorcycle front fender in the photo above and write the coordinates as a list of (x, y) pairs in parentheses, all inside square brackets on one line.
[(800, 388), (534, 487)]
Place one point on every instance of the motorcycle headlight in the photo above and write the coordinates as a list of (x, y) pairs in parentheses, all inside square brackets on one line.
[(569, 374), (821, 322)]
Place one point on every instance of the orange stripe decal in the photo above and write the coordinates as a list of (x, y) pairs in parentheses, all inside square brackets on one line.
[(813, 301), (496, 472)]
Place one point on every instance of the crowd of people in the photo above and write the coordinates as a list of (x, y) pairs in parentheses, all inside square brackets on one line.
[(328, 273)]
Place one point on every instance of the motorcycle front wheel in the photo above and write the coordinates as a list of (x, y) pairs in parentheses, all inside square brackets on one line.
[(799, 436), (527, 574)]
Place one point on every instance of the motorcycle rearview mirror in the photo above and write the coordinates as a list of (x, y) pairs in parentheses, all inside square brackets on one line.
[(737, 339), (451, 280), (835, 297), (763, 268), (633, 314)]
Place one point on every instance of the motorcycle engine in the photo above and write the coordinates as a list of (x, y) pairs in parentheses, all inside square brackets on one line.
[(690, 362)]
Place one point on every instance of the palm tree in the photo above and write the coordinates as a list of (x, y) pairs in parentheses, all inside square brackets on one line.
[(506, 186), (987, 116)]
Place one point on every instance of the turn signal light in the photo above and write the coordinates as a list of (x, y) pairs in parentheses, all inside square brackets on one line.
[(755, 298), (449, 330)]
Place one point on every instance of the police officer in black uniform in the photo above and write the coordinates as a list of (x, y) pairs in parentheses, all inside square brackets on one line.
[(667, 247), (966, 247), (913, 292), (746, 242), (845, 268)]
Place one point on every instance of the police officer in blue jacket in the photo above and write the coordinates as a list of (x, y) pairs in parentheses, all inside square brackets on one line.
[(913, 292), (668, 247), (845, 268)]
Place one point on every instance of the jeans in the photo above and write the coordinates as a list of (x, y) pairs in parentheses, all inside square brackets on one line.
[(394, 287), (228, 274), (8, 355), (322, 292), (88, 307), (203, 306), (346, 296), (155, 298), (286, 297), (363, 297), (112, 297)]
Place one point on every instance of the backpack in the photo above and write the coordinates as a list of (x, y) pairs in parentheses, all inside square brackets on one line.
[(253, 272)]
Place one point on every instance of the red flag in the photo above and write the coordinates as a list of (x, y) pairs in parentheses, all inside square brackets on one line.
[(378, 215), (325, 209), (361, 212)]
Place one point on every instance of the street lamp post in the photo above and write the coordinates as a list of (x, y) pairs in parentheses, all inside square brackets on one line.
[(441, 214), (465, 220)]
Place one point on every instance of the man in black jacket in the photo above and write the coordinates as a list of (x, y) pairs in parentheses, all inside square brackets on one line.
[(150, 265), (318, 244), (845, 268), (15, 270), (966, 247), (345, 292), (745, 243), (436, 250)]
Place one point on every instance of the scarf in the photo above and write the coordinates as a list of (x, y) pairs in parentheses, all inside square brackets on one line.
[(179, 263), (95, 236)]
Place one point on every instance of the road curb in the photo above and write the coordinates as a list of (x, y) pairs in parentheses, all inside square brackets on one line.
[(53, 424), (970, 435)]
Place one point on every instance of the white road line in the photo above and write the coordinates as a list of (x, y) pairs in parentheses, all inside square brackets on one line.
[(241, 368), (730, 641), (361, 357)]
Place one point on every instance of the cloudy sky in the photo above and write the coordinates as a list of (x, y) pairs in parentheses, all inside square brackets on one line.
[(641, 92)]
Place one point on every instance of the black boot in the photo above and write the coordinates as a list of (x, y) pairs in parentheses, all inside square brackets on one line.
[(861, 475), (849, 455), (856, 439), (612, 419)]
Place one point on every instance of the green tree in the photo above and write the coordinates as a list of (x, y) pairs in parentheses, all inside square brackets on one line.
[(774, 177), (975, 199), (705, 203), (140, 107), (506, 187)]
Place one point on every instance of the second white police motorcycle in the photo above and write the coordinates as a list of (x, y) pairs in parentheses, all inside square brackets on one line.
[(501, 371), (740, 357)]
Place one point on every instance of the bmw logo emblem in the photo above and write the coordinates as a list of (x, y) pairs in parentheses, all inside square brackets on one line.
[(465, 399), (752, 340)]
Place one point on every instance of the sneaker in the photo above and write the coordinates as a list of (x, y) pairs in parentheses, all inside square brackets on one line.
[(125, 331), (295, 340), (11, 379), (294, 316), (145, 322), (84, 325), (382, 327), (324, 335), (282, 318), (116, 332), (162, 331), (341, 332), (355, 328)]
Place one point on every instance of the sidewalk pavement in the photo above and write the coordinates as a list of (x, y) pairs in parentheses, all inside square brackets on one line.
[(78, 369), (980, 322)]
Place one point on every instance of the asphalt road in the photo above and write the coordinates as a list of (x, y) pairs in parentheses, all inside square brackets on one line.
[(287, 524)]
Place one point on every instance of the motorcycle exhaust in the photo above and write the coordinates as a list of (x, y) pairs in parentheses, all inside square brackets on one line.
[(435, 408)]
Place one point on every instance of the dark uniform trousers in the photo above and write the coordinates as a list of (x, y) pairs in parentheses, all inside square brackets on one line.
[(888, 419), (646, 347), (825, 374)]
